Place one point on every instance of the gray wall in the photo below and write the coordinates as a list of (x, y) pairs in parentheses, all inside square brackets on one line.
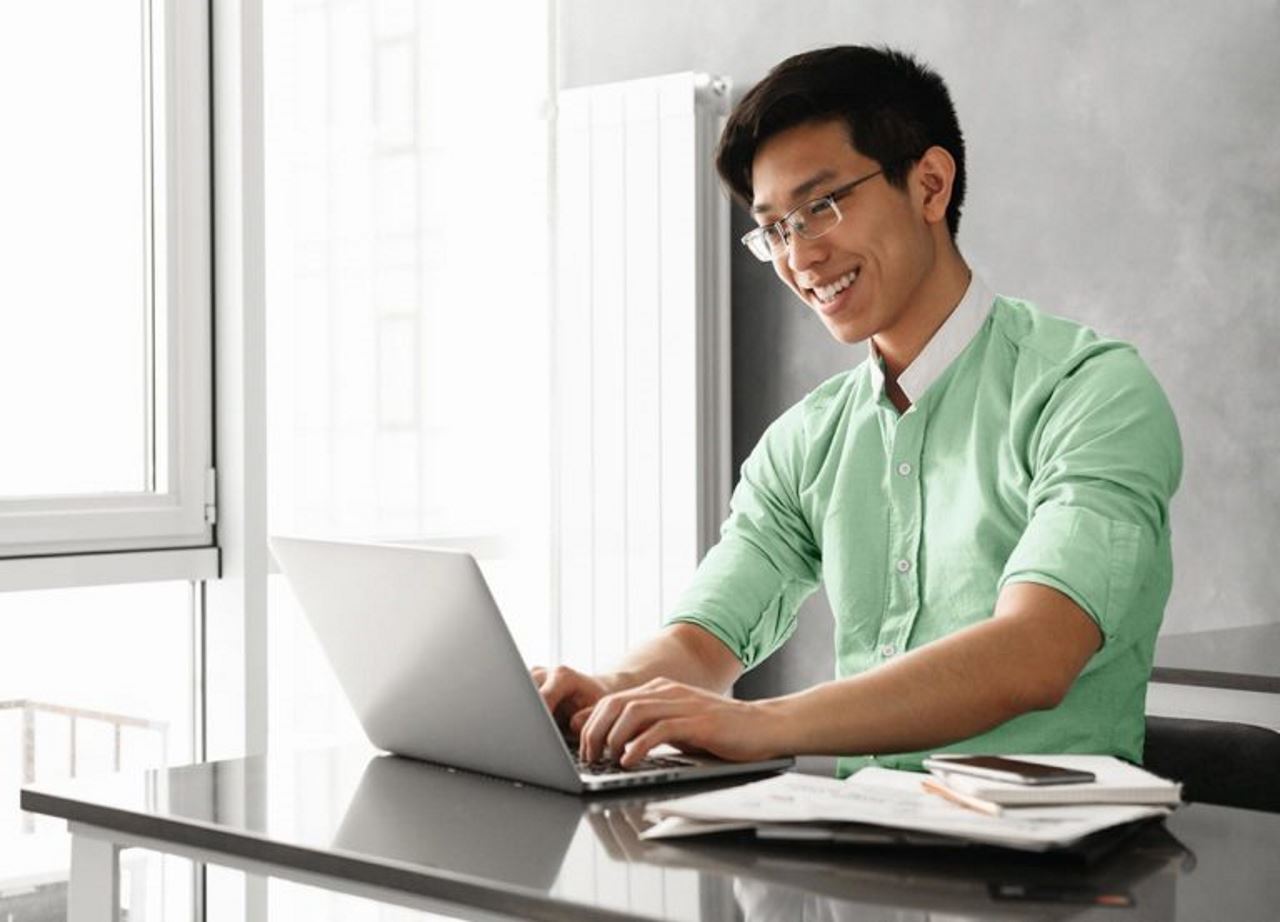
[(1124, 170)]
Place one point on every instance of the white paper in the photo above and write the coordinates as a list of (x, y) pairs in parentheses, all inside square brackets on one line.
[(894, 799), (674, 827)]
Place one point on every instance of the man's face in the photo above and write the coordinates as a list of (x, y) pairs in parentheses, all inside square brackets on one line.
[(881, 250)]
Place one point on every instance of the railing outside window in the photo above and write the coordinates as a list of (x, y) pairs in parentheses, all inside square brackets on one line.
[(118, 723)]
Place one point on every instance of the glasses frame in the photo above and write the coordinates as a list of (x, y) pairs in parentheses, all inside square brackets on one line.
[(757, 240)]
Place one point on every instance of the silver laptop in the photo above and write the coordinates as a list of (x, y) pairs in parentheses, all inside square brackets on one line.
[(421, 650)]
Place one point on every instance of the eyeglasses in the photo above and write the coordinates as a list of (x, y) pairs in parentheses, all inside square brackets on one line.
[(810, 221)]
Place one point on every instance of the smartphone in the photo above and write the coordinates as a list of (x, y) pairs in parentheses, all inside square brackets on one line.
[(1015, 771)]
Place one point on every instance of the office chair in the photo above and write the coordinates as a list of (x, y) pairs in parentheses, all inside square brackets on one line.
[(1235, 765)]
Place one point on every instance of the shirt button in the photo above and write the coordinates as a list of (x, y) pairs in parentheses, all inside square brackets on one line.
[(888, 650), (904, 468), (904, 566)]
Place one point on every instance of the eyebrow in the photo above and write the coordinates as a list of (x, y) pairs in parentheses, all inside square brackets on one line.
[(803, 189)]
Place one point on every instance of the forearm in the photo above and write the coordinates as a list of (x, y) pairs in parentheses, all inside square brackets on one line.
[(683, 653), (949, 690)]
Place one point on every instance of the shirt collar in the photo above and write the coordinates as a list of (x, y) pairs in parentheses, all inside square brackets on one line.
[(943, 347)]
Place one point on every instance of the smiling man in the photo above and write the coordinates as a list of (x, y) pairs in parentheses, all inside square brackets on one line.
[(985, 496)]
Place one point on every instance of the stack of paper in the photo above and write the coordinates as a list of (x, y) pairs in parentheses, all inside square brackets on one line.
[(887, 799)]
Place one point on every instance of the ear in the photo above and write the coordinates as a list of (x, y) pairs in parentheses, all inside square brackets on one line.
[(931, 183)]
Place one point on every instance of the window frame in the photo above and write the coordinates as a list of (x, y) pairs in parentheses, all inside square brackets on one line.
[(180, 300)]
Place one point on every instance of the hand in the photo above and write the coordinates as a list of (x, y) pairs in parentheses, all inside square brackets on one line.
[(629, 723), (567, 692)]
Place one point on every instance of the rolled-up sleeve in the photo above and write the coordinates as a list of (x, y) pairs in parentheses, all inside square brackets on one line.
[(749, 585), (1105, 460)]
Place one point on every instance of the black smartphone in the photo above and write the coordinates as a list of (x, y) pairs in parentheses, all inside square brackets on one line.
[(1015, 771)]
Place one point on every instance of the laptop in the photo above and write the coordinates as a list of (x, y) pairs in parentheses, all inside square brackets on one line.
[(425, 658)]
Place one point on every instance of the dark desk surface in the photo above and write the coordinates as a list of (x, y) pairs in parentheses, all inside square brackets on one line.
[(1244, 658), (538, 854)]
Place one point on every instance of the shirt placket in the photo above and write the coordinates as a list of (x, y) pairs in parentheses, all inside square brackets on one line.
[(903, 445)]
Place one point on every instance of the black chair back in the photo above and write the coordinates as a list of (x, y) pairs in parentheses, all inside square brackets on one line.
[(1235, 765)]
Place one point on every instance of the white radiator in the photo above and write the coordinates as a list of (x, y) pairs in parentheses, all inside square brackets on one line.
[(640, 356)]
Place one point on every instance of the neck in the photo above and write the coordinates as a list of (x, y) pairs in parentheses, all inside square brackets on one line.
[(930, 305)]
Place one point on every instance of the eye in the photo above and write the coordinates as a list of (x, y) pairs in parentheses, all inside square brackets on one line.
[(819, 207)]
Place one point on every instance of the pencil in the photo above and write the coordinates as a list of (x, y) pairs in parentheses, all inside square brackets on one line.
[(976, 804)]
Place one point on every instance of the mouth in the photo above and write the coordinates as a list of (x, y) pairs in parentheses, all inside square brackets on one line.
[(831, 297)]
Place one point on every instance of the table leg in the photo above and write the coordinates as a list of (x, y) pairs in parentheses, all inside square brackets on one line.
[(255, 898), (93, 893)]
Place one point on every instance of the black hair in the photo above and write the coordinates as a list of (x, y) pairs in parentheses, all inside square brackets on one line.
[(894, 108)]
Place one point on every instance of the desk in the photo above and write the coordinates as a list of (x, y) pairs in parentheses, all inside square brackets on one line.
[(422, 836)]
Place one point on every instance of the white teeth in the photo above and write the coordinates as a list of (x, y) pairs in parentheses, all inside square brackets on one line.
[(827, 293)]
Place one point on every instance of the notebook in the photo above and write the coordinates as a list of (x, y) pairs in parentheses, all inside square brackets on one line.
[(1118, 782)]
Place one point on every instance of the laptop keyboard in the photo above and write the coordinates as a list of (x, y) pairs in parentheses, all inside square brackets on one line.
[(612, 767)]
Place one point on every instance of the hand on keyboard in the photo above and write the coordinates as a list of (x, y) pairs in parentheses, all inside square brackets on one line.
[(612, 766)]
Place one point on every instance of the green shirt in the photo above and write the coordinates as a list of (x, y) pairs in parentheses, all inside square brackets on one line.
[(1041, 453)]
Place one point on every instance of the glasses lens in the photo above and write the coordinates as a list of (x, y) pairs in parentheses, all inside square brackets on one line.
[(815, 218), (764, 242)]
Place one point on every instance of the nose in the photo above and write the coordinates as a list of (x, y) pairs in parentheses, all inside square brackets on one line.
[(802, 253)]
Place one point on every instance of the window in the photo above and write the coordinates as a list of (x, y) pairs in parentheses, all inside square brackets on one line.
[(105, 350), (105, 416), (407, 309)]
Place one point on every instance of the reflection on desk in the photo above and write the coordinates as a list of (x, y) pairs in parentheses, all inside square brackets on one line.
[(529, 853), (453, 828)]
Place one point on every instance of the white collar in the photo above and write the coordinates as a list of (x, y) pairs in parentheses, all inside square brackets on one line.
[(961, 325)]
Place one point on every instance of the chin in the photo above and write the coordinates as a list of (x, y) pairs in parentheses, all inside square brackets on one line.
[(850, 334)]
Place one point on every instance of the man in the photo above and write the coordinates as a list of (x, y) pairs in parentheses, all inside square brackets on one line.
[(985, 497)]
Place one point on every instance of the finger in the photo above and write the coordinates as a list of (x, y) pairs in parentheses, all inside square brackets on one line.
[(594, 738), (558, 685), (588, 748), (673, 730), (591, 740), (579, 718), (538, 674), (636, 717)]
